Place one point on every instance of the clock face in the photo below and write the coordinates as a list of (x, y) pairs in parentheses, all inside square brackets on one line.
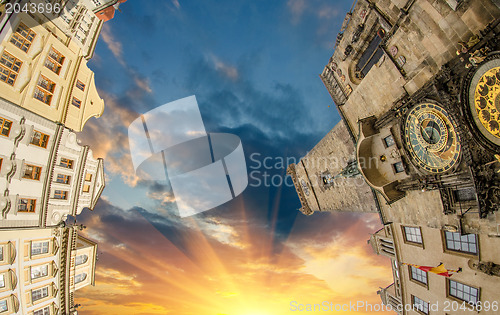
[(487, 101), (484, 100), (431, 138)]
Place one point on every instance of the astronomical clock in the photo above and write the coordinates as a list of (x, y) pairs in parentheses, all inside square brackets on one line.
[(430, 136), (483, 91)]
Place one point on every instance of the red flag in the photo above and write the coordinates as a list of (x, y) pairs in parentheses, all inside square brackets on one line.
[(440, 269)]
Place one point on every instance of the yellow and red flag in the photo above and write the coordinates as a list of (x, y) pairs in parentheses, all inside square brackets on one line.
[(440, 269)]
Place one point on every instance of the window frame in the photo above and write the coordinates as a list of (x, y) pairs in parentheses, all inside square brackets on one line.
[(84, 260), (76, 102), (456, 298), (41, 275), (384, 140), (395, 168), (80, 85), (16, 62), (69, 164), (66, 179), (375, 51), (417, 281), (22, 39), (34, 174), (424, 303), (2, 305), (60, 194), (57, 65), (46, 89), (2, 126), (403, 228), (83, 277), (41, 142), (41, 294), (32, 246), (47, 308), (460, 252), (30, 205)]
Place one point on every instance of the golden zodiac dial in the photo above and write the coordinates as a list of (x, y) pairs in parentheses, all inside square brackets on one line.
[(487, 101)]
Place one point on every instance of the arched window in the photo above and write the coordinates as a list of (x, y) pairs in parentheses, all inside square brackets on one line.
[(81, 259), (80, 277)]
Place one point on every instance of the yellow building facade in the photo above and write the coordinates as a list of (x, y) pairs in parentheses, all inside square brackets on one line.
[(44, 71)]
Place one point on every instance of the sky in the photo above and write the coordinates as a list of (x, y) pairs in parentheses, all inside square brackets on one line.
[(254, 68)]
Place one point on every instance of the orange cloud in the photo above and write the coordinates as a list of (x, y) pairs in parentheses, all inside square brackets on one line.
[(143, 272)]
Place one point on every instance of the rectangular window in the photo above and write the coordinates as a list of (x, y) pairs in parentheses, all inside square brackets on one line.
[(60, 194), (9, 68), (88, 177), (5, 126), (398, 167), (1, 252), (371, 55), (23, 37), (420, 305), (43, 311), (464, 194), (3, 306), (39, 248), (463, 292), (63, 179), (461, 243), (54, 61), (413, 235), (26, 205), (44, 90), (39, 139), (39, 294), (80, 85), (418, 275), (32, 172), (389, 141), (39, 271), (86, 188), (1, 161), (76, 102), (2, 281), (67, 163)]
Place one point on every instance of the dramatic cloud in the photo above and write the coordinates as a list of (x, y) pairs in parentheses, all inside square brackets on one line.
[(256, 253), (113, 45), (194, 266), (228, 71)]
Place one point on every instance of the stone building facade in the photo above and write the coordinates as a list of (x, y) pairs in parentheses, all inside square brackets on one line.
[(329, 171), (407, 78), (414, 291), (416, 84)]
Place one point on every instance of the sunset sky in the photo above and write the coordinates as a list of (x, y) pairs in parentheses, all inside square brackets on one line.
[(253, 66)]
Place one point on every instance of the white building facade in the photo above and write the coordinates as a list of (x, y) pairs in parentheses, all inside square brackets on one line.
[(41, 268), (45, 174)]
